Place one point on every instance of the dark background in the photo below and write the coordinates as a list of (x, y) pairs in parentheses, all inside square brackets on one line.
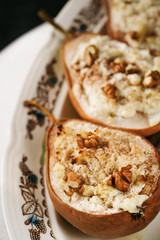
[(19, 16)]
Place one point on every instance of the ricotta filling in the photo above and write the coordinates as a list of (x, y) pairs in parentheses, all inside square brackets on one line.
[(95, 167), (140, 16), (135, 104)]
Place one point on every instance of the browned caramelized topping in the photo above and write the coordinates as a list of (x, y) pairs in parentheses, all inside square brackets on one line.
[(109, 90), (121, 179), (90, 141), (60, 129), (90, 55), (73, 161)]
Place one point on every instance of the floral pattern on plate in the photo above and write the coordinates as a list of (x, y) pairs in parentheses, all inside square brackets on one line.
[(47, 91)]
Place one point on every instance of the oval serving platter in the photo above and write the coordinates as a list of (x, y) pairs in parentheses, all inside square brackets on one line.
[(27, 207)]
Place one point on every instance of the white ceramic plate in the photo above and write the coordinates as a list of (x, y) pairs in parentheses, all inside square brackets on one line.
[(28, 211)]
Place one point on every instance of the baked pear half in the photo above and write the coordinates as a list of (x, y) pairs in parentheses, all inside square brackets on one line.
[(105, 182), (136, 22), (113, 84)]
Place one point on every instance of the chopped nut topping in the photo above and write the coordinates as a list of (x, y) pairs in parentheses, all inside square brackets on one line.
[(132, 68), (150, 185), (110, 181), (134, 35), (109, 90), (120, 183), (155, 52), (69, 191), (80, 141), (127, 173), (73, 180), (92, 140), (155, 75), (152, 79), (90, 54), (64, 185), (142, 178), (119, 66), (121, 179), (76, 66)]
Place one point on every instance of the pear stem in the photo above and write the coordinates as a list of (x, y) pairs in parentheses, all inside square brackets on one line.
[(50, 116), (47, 18)]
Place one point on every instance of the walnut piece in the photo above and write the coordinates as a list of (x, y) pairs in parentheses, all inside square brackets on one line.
[(109, 90), (154, 52), (90, 141), (121, 179), (132, 68), (80, 141), (73, 180), (127, 174), (152, 79), (119, 66), (76, 66), (134, 35), (90, 55), (150, 183)]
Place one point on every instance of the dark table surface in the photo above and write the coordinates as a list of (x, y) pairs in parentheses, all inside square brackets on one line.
[(19, 16)]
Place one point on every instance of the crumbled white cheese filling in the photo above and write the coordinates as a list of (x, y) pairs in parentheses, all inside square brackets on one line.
[(133, 98), (141, 16), (121, 150)]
